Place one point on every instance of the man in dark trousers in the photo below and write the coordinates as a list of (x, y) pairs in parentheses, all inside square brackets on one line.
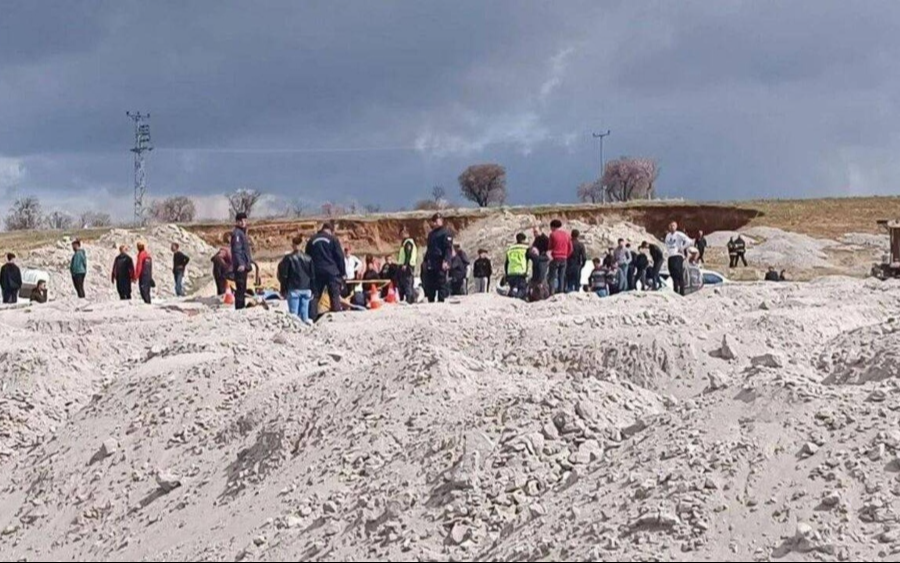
[(407, 259), (701, 244), (642, 266), (740, 249), (560, 251), (540, 246), (575, 263), (657, 257), (241, 259), (436, 265), (123, 273), (10, 279), (732, 253), (329, 265), (143, 272), (677, 244), (459, 271), (516, 267), (179, 266)]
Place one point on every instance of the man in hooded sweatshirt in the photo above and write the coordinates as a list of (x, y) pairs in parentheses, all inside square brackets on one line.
[(10, 279), (575, 263), (123, 273), (143, 272)]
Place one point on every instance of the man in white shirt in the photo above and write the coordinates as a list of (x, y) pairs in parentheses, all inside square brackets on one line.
[(677, 244), (353, 264)]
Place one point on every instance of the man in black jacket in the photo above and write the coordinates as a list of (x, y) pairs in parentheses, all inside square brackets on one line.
[(576, 263), (459, 271), (297, 277), (241, 259), (656, 254), (10, 279), (701, 244), (123, 273), (642, 265), (327, 256), (436, 264), (740, 249), (482, 271), (179, 266)]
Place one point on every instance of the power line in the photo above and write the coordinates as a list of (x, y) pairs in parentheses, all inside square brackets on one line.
[(141, 145)]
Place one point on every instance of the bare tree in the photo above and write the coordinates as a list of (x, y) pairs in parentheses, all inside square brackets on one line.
[(243, 200), (176, 209), (627, 179), (372, 208), (24, 215), (485, 184), (438, 194), (591, 192), (297, 209), (59, 221), (427, 205), (94, 219), (333, 209)]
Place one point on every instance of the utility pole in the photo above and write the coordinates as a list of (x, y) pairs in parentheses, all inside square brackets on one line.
[(601, 136), (141, 145)]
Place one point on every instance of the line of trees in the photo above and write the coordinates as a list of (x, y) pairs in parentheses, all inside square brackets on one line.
[(26, 214)]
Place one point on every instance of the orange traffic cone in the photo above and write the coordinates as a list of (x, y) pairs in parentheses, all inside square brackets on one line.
[(391, 296), (229, 297)]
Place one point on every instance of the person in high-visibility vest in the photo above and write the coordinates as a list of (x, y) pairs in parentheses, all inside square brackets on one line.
[(407, 259), (517, 267)]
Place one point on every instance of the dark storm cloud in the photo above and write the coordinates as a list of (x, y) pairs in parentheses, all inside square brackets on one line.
[(736, 99)]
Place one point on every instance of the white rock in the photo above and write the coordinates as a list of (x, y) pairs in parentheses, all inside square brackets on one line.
[(167, 481), (769, 360), (108, 448), (458, 533)]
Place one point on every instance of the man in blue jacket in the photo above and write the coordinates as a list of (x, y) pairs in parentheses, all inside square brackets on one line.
[(328, 264), (241, 259)]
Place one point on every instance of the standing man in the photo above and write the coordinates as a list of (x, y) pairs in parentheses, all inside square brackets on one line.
[(241, 259), (353, 264), (732, 253), (179, 265), (701, 245), (329, 265), (641, 265), (10, 279), (740, 249), (143, 272), (123, 273), (407, 259), (78, 267), (656, 254), (436, 265), (623, 262), (540, 248), (459, 271), (517, 267), (482, 271), (221, 262), (576, 263), (677, 244), (560, 251), (297, 277)]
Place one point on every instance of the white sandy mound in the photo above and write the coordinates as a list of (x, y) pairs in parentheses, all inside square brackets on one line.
[(101, 254), (638, 427)]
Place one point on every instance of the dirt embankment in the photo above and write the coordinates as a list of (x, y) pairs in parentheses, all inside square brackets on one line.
[(382, 234)]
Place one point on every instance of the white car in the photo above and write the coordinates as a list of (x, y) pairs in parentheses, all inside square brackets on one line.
[(709, 277)]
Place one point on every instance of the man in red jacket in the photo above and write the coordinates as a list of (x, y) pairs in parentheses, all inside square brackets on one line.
[(143, 272), (560, 250)]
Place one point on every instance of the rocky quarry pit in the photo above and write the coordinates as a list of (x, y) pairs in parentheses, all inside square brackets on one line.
[(749, 422)]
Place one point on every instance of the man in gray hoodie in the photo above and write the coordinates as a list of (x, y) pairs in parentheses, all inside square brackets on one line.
[(622, 254)]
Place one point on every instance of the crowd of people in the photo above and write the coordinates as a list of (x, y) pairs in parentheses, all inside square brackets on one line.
[(322, 273)]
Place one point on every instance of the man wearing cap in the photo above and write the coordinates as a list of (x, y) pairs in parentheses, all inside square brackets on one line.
[(436, 264), (241, 259)]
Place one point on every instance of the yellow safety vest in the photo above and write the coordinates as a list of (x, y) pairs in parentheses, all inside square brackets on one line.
[(517, 260), (401, 256)]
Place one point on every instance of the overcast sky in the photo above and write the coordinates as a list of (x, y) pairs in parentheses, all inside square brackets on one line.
[(378, 101)]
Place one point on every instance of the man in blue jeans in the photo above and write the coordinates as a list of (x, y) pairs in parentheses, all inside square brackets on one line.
[(297, 278), (179, 266)]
